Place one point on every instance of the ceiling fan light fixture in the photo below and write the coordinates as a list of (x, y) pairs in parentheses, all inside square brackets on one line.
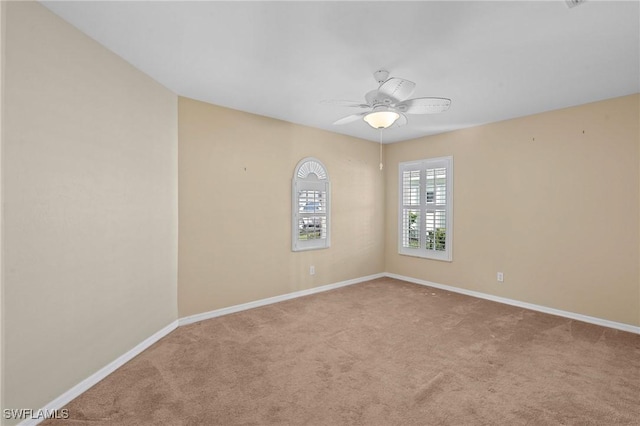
[(381, 119)]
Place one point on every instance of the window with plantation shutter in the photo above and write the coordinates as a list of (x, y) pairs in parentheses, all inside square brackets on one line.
[(425, 211), (311, 199)]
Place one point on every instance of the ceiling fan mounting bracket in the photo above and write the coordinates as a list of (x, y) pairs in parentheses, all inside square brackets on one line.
[(381, 76)]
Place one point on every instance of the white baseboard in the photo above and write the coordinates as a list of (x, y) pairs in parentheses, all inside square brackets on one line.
[(571, 315), (90, 381), (84, 385), (262, 302)]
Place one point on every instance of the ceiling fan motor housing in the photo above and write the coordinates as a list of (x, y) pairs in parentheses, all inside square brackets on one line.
[(375, 98)]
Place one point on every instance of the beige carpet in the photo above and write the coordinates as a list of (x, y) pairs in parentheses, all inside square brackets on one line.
[(384, 352)]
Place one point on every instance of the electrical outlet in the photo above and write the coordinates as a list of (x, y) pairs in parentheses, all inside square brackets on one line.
[(312, 270), (500, 277)]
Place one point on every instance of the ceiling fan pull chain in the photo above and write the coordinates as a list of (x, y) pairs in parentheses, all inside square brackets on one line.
[(381, 150)]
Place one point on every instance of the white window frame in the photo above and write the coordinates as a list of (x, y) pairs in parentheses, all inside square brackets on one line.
[(310, 175), (421, 207)]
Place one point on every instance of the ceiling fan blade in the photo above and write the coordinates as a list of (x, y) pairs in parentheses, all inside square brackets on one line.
[(349, 118), (424, 105), (345, 103), (397, 88)]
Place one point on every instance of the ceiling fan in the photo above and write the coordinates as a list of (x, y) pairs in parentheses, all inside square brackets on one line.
[(389, 103)]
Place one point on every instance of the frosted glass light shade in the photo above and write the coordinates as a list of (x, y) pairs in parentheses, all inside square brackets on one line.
[(381, 119)]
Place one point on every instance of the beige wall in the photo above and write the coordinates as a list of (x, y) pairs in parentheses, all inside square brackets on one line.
[(235, 173), (90, 206), (551, 200)]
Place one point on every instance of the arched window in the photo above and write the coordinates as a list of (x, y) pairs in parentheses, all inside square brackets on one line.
[(311, 202)]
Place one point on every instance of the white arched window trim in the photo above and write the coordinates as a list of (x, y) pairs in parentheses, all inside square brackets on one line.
[(310, 206)]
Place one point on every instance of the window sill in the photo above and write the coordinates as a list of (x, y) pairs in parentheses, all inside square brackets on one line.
[(421, 256)]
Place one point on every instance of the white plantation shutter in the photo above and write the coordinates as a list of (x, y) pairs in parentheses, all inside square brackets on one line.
[(426, 208), (411, 217), (311, 196)]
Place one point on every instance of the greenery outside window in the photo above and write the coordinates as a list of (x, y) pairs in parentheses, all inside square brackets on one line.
[(425, 214)]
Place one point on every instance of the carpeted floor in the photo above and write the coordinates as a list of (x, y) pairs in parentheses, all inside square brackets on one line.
[(384, 352)]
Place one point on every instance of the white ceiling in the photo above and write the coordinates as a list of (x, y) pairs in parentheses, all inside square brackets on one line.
[(495, 60)]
